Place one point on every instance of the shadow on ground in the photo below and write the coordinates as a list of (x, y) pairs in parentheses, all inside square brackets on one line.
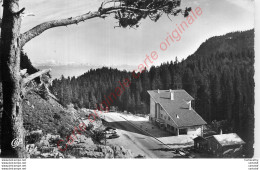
[(179, 144)]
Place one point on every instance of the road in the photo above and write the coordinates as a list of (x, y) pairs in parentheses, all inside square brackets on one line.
[(134, 139)]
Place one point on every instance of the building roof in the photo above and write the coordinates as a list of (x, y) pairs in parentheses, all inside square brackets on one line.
[(199, 139), (178, 109), (229, 139)]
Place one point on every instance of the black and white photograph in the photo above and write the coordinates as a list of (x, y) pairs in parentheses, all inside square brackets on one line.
[(127, 79)]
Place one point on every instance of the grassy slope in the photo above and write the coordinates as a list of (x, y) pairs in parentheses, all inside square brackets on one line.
[(49, 115)]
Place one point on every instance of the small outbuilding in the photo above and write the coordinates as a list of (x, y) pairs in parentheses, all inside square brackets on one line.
[(200, 143), (222, 145), (225, 145)]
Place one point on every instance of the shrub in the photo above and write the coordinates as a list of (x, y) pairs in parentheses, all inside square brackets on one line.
[(90, 126), (33, 138), (64, 132), (56, 116), (98, 135)]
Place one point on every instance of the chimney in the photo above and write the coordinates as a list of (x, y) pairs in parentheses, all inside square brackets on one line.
[(158, 91), (220, 132), (189, 103), (172, 94)]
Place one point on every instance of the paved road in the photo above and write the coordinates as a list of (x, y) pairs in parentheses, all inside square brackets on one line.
[(135, 139)]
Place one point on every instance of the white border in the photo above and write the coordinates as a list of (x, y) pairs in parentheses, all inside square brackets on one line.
[(257, 78)]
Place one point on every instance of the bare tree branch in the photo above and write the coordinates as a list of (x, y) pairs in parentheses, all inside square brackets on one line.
[(27, 36), (35, 75), (130, 13), (27, 14), (54, 97)]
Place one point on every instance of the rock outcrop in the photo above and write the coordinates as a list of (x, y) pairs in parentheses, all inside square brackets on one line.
[(81, 147), (101, 151)]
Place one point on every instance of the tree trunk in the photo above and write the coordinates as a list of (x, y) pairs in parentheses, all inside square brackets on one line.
[(12, 119)]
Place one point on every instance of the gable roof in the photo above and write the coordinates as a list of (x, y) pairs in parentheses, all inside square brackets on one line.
[(228, 139), (200, 139), (178, 109)]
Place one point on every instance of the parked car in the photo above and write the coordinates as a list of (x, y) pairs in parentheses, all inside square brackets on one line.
[(108, 128), (110, 131), (113, 136)]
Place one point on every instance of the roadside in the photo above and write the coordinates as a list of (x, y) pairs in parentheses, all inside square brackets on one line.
[(135, 140), (166, 138), (146, 131)]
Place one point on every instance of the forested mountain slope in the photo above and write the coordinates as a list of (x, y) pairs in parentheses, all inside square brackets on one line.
[(219, 75)]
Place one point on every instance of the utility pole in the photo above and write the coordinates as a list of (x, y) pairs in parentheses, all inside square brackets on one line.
[(105, 138), (105, 133)]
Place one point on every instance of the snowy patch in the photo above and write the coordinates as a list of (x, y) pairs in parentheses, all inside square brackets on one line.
[(229, 139)]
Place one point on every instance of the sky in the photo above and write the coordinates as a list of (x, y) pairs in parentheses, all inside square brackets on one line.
[(97, 42)]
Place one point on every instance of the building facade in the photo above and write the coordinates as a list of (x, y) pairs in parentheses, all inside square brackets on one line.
[(172, 110)]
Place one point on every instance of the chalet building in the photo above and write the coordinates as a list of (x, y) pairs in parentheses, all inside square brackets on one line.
[(222, 145), (225, 144), (172, 110)]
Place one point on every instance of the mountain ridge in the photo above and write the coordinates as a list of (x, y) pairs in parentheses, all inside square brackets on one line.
[(229, 42)]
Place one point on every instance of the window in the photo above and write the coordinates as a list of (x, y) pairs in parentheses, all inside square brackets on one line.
[(183, 131), (169, 118)]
